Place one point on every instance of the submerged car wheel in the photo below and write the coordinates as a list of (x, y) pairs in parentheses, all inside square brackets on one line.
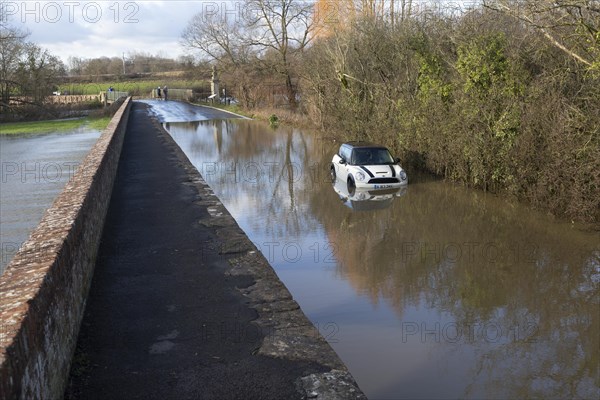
[(351, 186), (332, 173)]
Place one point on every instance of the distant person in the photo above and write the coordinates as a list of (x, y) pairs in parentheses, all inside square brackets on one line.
[(110, 89), (166, 92), (158, 93)]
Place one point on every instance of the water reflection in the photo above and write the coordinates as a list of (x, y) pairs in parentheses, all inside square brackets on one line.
[(445, 292), (366, 200)]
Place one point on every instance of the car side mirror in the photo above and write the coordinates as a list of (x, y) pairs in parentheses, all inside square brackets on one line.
[(342, 161), (397, 160)]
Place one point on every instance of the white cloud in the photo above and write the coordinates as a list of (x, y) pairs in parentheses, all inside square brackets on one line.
[(104, 28)]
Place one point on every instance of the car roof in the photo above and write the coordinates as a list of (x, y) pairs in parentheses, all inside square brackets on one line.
[(355, 144)]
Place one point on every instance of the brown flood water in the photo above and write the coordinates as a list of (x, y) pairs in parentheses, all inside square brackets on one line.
[(434, 292)]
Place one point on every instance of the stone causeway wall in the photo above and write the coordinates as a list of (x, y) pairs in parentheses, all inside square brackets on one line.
[(44, 289)]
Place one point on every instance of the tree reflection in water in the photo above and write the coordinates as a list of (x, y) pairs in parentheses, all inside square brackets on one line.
[(515, 294)]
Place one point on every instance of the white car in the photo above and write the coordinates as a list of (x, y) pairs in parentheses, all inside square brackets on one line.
[(364, 165)]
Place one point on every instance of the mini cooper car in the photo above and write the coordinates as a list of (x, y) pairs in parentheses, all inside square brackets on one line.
[(366, 165)]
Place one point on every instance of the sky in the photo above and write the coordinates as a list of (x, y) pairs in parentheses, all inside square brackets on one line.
[(90, 29), (113, 28)]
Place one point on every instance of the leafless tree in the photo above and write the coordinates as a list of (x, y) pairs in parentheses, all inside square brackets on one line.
[(25, 68), (573, 26), (283, 27), (271, 32), (215, 37), (12, 46)]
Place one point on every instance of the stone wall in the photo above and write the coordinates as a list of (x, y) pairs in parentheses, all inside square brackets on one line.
[(44, 289), (70, 99)]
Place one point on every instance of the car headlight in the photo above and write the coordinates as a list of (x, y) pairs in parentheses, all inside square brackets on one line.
[(403, 175), (360, 176)]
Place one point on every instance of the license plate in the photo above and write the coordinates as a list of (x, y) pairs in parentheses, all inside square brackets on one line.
[(382, 186)]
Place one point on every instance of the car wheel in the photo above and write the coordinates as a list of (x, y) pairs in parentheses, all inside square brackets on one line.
[(332, 174), (351, 186)]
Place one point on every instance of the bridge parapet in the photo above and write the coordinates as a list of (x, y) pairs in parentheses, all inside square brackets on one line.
[(44, 288)]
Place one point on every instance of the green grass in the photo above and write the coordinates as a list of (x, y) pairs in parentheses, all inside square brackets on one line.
[(133, 87), (98, 123), (17, 128)]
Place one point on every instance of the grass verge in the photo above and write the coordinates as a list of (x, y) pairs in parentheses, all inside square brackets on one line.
[(19, 128), (283, 116), (98, 123)]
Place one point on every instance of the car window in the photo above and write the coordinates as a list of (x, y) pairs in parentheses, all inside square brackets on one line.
[(371, 156), (345, 152)]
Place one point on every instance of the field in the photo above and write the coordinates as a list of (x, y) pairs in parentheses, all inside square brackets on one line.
[(16, 128), (136, 88)]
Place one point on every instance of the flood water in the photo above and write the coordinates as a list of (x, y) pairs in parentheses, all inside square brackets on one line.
[(435, 292), (35, 168)]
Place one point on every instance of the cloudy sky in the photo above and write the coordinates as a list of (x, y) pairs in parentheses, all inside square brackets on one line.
[(110, 28), (106, 28)]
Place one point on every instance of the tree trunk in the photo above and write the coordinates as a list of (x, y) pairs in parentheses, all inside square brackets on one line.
[(291, 92)]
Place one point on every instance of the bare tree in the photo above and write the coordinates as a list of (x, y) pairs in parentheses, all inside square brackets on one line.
[(38, 72), (28, 73), (269, 34), (76, 65), (219, 39), (573, 26), (284, 27), (12, 47), (215, 37)]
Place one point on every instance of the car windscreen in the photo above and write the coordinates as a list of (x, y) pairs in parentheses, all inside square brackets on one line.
[(371, 156)]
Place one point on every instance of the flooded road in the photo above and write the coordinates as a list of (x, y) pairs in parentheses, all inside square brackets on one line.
[(434, 292), (177, 111), (35, 169)]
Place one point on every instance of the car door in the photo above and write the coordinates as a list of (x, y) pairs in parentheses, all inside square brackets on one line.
[(343, 167)]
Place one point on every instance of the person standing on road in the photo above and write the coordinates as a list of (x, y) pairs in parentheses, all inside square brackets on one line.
[(158, 93), (166, 92)]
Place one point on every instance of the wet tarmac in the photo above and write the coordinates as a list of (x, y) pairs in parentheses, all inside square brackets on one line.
[(177, 111)]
